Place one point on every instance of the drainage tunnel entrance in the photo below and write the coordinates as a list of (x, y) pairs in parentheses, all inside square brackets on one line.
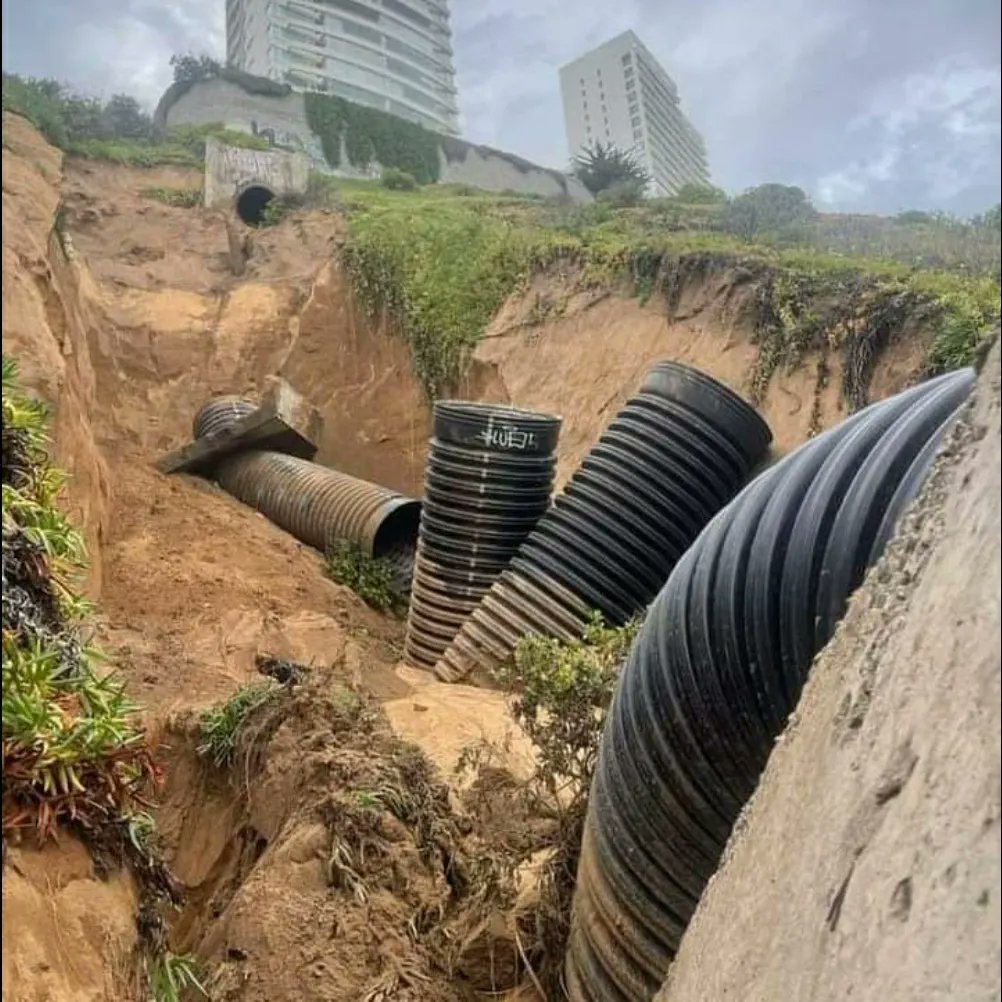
[(251, 203)]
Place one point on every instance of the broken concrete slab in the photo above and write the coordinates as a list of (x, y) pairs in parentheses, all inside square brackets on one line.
[(285, 422)]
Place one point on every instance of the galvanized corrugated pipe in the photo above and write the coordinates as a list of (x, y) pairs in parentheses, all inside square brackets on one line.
[(487, 482), (716, 670), (219, 413), (674, 455), (314, 503)]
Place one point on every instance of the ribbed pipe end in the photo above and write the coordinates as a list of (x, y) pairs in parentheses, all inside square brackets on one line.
[(673, 456), (219, 413)]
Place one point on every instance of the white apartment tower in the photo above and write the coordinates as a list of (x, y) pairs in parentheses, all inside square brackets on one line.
[(395, 55), (619, 94)]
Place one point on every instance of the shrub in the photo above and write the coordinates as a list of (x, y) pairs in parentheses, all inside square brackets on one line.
[(602, 165), (700, 194), (397, 180), (559, 695), (561, 692), (370, 578), (768, 208), (278, 208)]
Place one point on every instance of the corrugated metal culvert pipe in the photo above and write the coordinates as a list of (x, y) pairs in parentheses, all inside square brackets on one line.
[(674, 455), (487, 481), (716, 671), (314, 503)]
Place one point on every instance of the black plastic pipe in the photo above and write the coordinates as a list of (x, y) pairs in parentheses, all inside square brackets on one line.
[(219, 413), (488, 479), (715, 672), (674, 455)]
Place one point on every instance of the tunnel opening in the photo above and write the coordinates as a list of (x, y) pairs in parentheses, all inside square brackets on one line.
[(251, 203)]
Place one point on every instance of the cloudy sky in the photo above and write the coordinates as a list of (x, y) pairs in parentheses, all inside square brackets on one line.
[(870, 105)]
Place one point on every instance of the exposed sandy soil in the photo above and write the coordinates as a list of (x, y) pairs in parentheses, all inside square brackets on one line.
[(584, 362), (125, 317), (884, 792)]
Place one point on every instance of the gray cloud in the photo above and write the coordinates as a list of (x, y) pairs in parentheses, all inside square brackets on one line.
[(870, 105)]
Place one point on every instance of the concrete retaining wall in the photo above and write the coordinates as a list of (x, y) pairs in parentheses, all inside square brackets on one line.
[(283, 121)]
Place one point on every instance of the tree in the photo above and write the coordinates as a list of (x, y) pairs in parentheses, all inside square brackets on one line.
[(190, 67), (700, 194), (122, 116), (991, 219), (600, 166), (769, 208)]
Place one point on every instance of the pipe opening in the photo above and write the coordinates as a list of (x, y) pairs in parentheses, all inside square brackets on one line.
[(398, 531), (251, 203)]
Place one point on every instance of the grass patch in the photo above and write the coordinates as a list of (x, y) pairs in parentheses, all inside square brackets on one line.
[(370, 578), (179, 198), (135, 152), (172, 977), (220, 727)]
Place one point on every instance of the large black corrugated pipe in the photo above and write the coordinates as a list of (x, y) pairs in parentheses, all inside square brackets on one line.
[(487, 481), (219, 413), (319, 505), (673, 456), (716, 670)]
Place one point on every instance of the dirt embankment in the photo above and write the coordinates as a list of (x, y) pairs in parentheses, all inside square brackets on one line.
[(125, 316), (884, 792)]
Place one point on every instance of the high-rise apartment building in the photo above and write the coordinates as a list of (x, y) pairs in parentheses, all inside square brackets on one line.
[(395, 55), (619, 94)]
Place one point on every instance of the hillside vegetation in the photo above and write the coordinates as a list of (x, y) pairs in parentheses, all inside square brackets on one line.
[(441, 260)]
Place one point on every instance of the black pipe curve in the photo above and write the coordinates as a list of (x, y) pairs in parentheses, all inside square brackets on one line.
[(716, 670)]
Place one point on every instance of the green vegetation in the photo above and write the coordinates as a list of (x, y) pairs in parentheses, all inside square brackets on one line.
[(397, 180), (171, 976), (372, 135), (72, 748), (441, 263), (64, 117), (179, 198), (370, 578), (220, 727), (559, 694)]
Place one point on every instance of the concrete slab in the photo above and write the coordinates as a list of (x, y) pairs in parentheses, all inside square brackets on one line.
[(285, 422)]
